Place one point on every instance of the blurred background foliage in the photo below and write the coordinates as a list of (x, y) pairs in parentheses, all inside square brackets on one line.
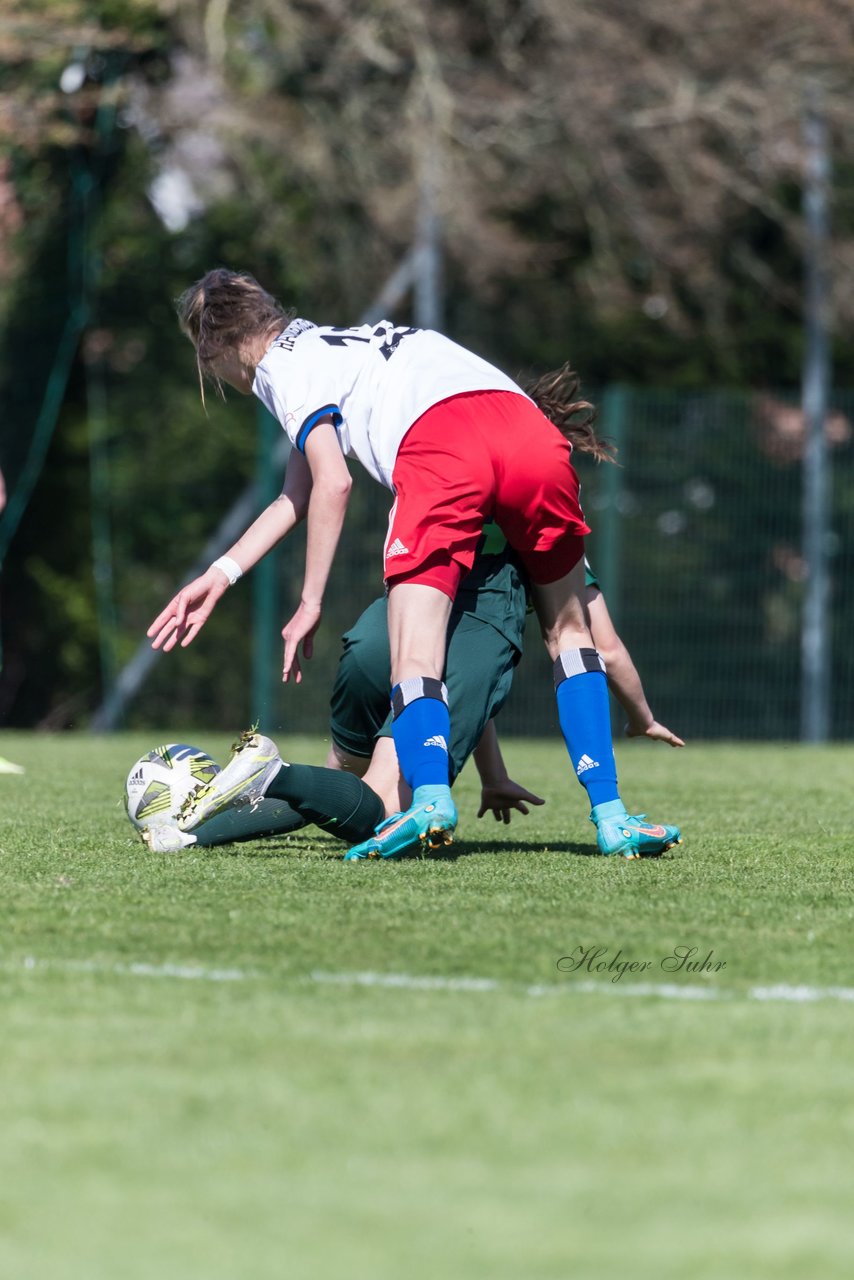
[(618, 185)]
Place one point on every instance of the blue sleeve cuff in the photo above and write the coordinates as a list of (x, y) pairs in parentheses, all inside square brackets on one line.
[(328, 410)]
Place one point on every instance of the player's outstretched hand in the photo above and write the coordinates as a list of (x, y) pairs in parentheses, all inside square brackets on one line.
[(658, 732), (188, 611), (300, 630), (503, 796)]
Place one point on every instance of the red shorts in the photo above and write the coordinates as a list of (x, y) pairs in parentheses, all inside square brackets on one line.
[(486, 455)]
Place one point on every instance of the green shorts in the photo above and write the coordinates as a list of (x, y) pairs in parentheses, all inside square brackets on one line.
[(478, 673), (590, 579)]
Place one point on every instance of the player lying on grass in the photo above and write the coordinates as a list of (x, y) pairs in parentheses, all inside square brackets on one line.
[(459, 443), (256, 796)]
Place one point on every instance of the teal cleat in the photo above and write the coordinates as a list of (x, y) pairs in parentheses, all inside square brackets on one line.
[(632, 836), (428, 824)]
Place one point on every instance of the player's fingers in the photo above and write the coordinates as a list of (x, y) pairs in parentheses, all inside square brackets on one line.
[(291, 666), (182, 606), (287, 657), (163, 619), (192, 633), (163, 636), (167, 612), (308, 647), (521, 806)]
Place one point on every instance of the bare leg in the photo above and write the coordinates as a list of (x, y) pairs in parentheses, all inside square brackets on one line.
[(417, 624), (383, 776), (381, 773), (562, 613), (338, 758), (417, 627)]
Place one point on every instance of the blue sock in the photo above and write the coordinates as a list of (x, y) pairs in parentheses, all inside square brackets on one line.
[(421, 727), (581, 690)]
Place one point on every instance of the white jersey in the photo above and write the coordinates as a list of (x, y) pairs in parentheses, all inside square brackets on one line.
[(374, 381)]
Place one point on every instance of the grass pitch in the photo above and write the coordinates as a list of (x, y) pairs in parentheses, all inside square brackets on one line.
[(257, 1061)]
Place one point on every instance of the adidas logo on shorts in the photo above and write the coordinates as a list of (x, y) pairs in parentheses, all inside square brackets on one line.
[(396, 549), (436, 741), (586, 763)]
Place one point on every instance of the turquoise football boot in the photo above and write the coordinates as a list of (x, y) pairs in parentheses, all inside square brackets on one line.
[(633, 836), (428, 824)]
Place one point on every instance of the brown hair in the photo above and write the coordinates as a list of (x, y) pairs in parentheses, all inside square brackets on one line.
[(222, 311), (554, 395)]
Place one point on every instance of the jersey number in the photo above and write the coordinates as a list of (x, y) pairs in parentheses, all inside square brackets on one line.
[(392, 338)]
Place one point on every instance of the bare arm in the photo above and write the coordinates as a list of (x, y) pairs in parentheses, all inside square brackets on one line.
[(276, 521), (623, 676), (327, 506), (188, 611)]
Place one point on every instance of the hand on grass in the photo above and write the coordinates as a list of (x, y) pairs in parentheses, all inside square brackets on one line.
[(503, 796), (658, 732)]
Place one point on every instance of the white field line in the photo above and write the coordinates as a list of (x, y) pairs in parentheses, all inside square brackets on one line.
[(138, 970), (658, 990), (780, 993)]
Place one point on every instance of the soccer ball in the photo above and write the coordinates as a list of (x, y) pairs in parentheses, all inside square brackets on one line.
[(159, 783)]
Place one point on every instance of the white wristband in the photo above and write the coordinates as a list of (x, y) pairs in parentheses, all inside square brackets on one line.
[(229, 567)]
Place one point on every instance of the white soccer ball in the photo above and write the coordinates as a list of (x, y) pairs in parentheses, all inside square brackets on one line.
[(159, 783)]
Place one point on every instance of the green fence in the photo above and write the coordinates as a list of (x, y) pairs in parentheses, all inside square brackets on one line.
[(697, 542), (697, 538)]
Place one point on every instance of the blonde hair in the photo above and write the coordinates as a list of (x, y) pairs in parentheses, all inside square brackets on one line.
[(554, 395), (223, 311)]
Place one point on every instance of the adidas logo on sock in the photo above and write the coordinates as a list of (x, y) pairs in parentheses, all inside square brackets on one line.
[(397, 549), (436, 741), (584, 764)]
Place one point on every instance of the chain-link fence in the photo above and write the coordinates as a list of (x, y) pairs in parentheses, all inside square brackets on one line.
[(697, 544)]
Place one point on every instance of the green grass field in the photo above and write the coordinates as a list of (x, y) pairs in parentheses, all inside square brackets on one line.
[(257, 1061)]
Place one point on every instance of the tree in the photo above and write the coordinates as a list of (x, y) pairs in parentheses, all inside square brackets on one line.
[(618, 184)]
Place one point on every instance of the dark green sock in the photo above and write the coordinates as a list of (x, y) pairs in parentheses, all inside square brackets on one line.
[(333, 800), (271, 818)]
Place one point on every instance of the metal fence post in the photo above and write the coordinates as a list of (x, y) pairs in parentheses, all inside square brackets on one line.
[(615, 409), (815, 644)]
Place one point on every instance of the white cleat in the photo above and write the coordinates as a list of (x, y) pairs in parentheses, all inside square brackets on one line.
[(254, 763), (165, 838), (7, 766)]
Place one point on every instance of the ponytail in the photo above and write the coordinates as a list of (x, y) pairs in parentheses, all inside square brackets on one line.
[(554, 395)]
